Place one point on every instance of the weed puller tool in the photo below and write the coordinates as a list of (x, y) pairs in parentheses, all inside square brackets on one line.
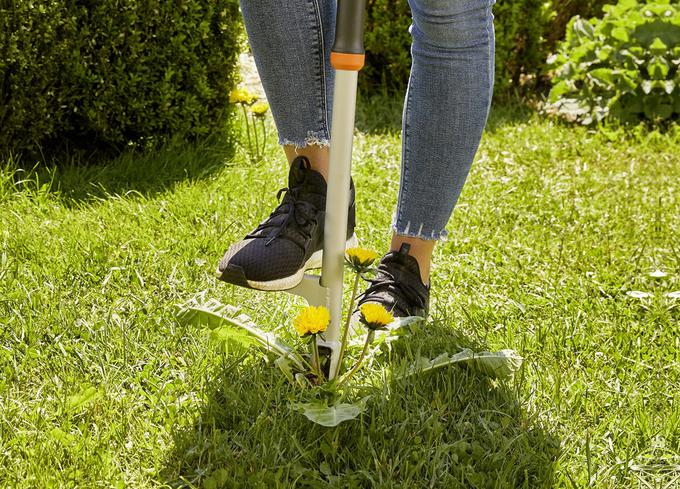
[(347, 57)]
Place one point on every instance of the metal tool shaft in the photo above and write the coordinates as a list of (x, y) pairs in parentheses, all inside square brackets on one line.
[(337, 203)]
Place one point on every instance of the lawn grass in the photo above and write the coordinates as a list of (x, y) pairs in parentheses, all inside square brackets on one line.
[(102, 387)]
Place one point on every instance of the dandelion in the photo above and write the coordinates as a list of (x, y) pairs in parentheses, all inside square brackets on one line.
[(259, 109), (312, 320), (242, 96), (375, 316), (360, 258)]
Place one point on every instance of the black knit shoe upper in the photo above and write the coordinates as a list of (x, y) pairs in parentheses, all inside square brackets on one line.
[(272, 256), (397, 285)]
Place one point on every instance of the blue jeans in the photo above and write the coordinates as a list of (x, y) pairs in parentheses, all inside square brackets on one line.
[(447, 100)]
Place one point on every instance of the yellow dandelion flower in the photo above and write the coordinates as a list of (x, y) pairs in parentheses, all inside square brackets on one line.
[(259, 109), (312, 320), (360, 258), (242, 96), (375, 316)]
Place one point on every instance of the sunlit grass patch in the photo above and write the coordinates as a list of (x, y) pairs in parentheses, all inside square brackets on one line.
[(556, 230)]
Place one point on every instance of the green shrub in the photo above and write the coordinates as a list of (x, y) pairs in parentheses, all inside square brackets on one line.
[(520, 47), (519, 26), (565, 10), (525, 33), (623, 66), (102, 74), (387, 43)]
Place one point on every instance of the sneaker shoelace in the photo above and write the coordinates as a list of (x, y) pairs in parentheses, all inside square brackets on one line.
[(386, 281), (292, 210)]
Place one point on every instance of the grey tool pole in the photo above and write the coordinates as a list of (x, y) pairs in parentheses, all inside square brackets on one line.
[(347, 57)]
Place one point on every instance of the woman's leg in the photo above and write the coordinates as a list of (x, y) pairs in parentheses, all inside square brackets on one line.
[(446, 108), (291, 43)]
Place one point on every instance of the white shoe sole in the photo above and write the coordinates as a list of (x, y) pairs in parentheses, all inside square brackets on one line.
[(286, 283)]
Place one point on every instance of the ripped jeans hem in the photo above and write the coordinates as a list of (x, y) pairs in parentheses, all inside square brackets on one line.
[(318, 138), (432, 236)]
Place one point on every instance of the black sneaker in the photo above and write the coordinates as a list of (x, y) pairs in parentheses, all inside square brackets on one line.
[(277, 253), (397, 285)]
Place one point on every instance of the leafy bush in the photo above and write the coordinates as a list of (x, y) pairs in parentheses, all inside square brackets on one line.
[(519, 27), (387, 42), (565, 10), (520, 46), (101, 74), (623, 66), (526, 31)]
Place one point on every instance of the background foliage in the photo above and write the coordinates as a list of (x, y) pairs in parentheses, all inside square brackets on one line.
[(563, 11), (623, 66), (105, 73), (526, 31)]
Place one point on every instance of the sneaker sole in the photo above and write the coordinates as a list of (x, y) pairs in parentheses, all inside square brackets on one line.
[(234, 274)]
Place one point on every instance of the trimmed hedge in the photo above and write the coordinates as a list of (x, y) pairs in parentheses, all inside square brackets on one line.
[(101, 74), (520, 47), (387, 43), (525, 32)]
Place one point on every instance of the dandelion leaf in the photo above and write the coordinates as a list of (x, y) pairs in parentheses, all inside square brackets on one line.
[(213, 315), (501, 364), (329, 416)]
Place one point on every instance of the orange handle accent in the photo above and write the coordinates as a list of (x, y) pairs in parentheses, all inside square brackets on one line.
[(347, 61)]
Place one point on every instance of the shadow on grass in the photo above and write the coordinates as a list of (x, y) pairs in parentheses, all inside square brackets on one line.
[(146, 173), (379, 113), (450, 428), (382, 113), (151, 172), (508, 112)]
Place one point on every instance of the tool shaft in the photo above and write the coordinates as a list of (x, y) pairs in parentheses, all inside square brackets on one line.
[(337, 200)]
